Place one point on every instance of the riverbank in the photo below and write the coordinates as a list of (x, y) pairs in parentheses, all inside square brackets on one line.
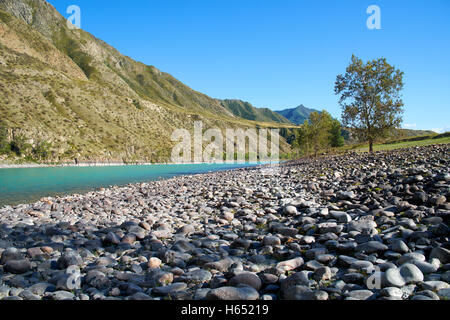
[(307, 229), (103, 164), (31, 184), (85, 164)]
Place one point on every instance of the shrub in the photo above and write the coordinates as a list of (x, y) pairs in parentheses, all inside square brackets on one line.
[(5, 17), (137, 104), (42, 150), (19, 144)]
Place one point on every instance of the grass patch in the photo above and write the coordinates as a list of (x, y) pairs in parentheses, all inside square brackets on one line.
[(405, 143)]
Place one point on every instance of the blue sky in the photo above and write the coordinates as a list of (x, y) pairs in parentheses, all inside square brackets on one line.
[(280, 54)]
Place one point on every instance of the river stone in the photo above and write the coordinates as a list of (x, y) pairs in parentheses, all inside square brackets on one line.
[(61, 295), (128, 238), (323, 273), (233, 293), (289, 265), (441, 253), (371, 247), (96, 279), (362, 265), (345, 195), (408, 257), (17, 266), (346, 261), (399, 246), (105, 262), (286, 231), (361, 225), (227, 215), (27, 295), (154, 263), (111, 239), (186, 230), (444, 293), (360, 294), (391, 292), (41, 288), (392, 278), (435, 285), (217, 282), (425, 267), (12, 298), (271, 241), (411, 273), (69, 259), (221, 265), (169, 289), (342, 217), (428, 294), (4, 291), (304, 293), (299, 278), (241, 243), (139, 296), (307, 240), (246, 278), (10, 254), (290, 210), (196, 276)]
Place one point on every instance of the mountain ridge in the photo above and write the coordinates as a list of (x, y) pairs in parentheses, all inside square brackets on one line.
[(92, 102)]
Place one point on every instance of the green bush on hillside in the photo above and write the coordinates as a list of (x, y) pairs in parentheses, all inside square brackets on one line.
[(41, 151), (5, 17), (19, 145)]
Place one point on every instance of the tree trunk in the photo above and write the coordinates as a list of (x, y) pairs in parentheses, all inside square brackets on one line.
[(370, 146)]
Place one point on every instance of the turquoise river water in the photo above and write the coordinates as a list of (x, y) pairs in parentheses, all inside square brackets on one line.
[(27, 185)]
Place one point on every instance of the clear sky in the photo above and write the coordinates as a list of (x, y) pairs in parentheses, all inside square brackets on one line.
[(282, 53)]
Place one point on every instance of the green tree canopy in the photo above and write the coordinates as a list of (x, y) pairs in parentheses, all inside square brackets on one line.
[(336, 138), (320, 132)]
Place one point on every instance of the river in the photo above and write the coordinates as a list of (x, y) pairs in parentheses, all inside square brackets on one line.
[(27, 185)]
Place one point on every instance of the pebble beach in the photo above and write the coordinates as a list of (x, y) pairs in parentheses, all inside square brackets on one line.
[(357, 226)]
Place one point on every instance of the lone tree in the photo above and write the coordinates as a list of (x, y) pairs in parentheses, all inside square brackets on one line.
[(370, 98)]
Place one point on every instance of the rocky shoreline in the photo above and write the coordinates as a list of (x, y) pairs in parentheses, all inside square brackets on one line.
[(97, 164), (358, 226)]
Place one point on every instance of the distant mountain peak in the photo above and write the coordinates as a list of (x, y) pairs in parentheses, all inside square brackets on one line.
[(297, 115)]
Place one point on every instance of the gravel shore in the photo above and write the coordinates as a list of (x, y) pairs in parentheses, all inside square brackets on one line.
[(358, 226)]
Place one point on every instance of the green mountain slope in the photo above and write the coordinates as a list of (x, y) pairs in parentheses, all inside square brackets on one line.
[(297, 115), (91, 102), (245, 110)]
